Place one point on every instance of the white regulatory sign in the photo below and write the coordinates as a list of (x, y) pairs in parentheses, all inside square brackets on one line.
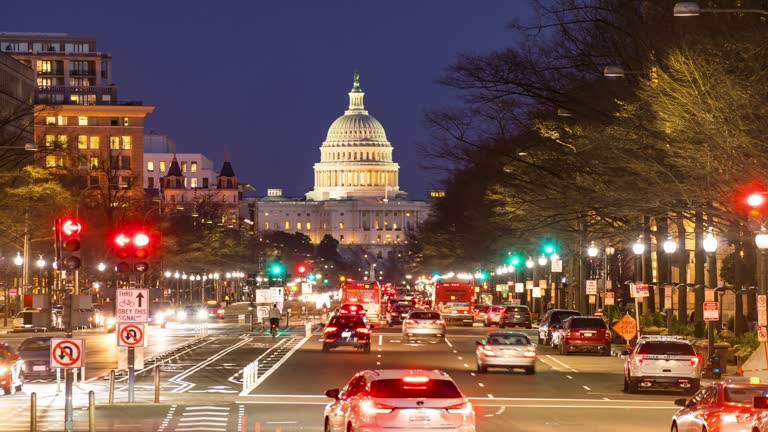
[(132, 305), (591, 287), (711, 311), (262, 296), (66, 353), (276, 295), (761, 311)]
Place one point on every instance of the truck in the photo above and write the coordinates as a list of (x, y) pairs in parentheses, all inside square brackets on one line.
[(455, 301), (367, 294)]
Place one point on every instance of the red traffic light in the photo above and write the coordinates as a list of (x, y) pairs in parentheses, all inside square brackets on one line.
[(70, 227), (755, 199), (122, 240), (302, 269), (140, 240)]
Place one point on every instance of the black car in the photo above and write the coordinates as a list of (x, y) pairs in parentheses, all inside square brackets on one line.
[(515, 315), (11, 370), (36, 353), (397, 312), (347, 330), (552, 322)]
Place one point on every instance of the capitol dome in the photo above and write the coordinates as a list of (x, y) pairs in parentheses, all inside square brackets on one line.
[(355, 158)]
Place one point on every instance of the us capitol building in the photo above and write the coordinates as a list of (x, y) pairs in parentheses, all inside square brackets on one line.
[(357, 197)]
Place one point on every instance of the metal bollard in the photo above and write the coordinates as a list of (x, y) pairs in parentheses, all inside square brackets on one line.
[(91, 411), (308, 329), (157, 384), (33, 412), (111, 387)]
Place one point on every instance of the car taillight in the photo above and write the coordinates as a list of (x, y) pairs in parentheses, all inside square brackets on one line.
[(330, 329), (527, 314), (638, 360), (440, 321), (363, 330), (552, 329), (410, 321), (415, 379), (370, 407), (462, 408), (488, 351), (394, 313), (220, 311), (529, 354), (695, 361)]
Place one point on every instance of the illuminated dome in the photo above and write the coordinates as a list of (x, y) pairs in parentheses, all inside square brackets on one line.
[(356, 158)]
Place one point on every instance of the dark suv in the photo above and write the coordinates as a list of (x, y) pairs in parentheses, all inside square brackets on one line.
[(347, 330), (397, 313), (515, 315), (552, 322), (585, 333)]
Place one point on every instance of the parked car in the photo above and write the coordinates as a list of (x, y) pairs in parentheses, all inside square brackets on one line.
[(662, 362), (506, 350), (11, 369), (399, 400), (515, 315), (551, 322), (347, 330), (423, 323), (396, 313), (36, 353), (585, 333)]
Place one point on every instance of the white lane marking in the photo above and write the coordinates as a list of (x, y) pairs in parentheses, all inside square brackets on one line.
[(605, 398), (461, 358), (283, 422), (378, 355), (270, 352), (448, 342), (569, 377), (277, 365), (379, 349), (381, 340), (207, 407), (455, 352), (466, 365), (587, 388), (561, 363), (490, 396), (378, 363), (184, 385), (473, 374), (481, 384)]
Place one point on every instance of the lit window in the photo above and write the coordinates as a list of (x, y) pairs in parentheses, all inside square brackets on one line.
[(50, 140), (114, 142), (44, 66), (266, 213), (266, 225), (309, 226), (53, 161), (44, 82), (162, 166), (82, 121), (193, 167), (183, 167), (126, 121), (194, 182), (341, 225), (151, 166), (95, 141), (61, 120), (394, 226), (50, 120), (126, 142), (94, 163), (82, 142), (287, 225), (298, 226), (62, 140)]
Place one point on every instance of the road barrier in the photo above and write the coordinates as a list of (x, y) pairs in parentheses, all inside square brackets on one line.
[(91, 411), (33, 412), (250, 376), (308, 329)]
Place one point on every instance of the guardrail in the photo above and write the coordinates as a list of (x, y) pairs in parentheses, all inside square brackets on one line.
[(250, 376)]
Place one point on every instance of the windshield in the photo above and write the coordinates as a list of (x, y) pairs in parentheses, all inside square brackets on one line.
[(744, 394), (557, 318), (590, 323), (508, 339), (399, 389)]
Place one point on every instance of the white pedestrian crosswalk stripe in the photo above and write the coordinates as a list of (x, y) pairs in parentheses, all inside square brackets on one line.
[(202, 418)]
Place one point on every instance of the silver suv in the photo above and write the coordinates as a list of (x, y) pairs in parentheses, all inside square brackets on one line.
[(662, 362), (423, 323)]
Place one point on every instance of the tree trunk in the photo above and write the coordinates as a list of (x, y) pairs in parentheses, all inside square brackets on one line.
[(650, 305), (699, 260), (682, 271), (662, 259)]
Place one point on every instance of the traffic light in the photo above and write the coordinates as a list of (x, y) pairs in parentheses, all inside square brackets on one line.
[(68, 243), (311, 277), (121, 245), (756, 209), (132, 250), (301, 269), (548, 247), (515, 261), (140, 251)]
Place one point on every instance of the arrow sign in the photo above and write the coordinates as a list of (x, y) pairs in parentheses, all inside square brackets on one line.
[(140, 297), (66, 353), (130, 305), (131, 335)]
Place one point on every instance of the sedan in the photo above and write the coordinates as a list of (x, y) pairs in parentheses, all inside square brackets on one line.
[(506, 350), (191, 313), (397, 312), (11, 370), (347, 330), (399, 400), (36, 353), (423, 323), (722, 406)]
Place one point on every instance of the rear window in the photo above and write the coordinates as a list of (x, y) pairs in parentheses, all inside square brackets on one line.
[(597, 323), (347, 321), (482, 308), (743, 394), (424, 315), (399, 389), (666, 348), (403, 307), (36, 345), (502, 339), (517, 309), (559, 317)]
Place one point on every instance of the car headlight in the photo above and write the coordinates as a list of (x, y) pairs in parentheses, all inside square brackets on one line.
[(202, 314), (160, 317), (111, 321), (182, 314)]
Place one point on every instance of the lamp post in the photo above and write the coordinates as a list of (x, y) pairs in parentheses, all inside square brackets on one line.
[(19, 260), (670, 247), (178, 290), (710, 247), (40, 266), (592, 252)]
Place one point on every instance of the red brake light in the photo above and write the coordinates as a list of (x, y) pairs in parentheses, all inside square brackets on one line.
[(415, 379), (638, 360), (369, 407), (363, 330), (695, 361), (353, 308), (440, 321), (330, 329), (410, 321), (462, 408), (488, 351)]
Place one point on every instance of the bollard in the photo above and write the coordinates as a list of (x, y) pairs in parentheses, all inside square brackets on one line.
[(58, 380), (157, 384), (91, 411), (287, 318), (308, 329), (111, 387), (33, 412)]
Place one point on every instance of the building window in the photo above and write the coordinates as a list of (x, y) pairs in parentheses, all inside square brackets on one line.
[(341, 237), (266, 225), (193, 167), (126, 121), (114, 121), (309, 226), (287, 225), (44, 66), (94, 162), (61, 120), (53, 161), (82, 142), (125, 162), (173, 198), (62, 140), (151, 182), (124, 182), (205, 183), (266, 213), (114, 142), (127, 142), (82, 121), (162, 167), (50, 140), (44, 82), (394, 227), (151, 166), (341, 225), (194, 182), (95, 141), (376, 225), (94, 181), (298, 226), (50, 120), (183, 167)]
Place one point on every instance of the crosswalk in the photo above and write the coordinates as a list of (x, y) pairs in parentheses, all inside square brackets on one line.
[(196, 418)]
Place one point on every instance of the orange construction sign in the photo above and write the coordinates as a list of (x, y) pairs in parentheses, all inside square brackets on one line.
[(626, 327)]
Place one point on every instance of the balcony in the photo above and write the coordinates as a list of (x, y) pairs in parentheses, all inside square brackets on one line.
[(60, 95)]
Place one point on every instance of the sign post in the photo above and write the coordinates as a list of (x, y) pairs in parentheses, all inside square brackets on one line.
[(132, 306)]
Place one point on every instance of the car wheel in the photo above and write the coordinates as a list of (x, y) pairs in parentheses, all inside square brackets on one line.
[(327, 425), (528, 326), (326, 347), (350, 428), (502, 325), (626, 386), (530, 371), (406, 339), (367, 348), (485, 323), (632, 386), (390, 324), (607, 351), (694, 387), (563, 348), (482, 368)]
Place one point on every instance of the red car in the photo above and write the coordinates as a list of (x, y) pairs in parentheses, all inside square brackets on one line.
[(723, 406), (585, 333), (352, 309)]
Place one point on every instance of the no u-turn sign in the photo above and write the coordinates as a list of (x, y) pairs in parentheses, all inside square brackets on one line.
[(131, 335)]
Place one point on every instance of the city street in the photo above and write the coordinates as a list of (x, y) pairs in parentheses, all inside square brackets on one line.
[(201, 385)]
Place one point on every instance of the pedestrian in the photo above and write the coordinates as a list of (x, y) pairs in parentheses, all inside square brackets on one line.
[(226, 299)]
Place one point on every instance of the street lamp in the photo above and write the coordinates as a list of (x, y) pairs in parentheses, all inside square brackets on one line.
[(529, 263), (684, 9), (101, 267), (710, 247), (40, 266)]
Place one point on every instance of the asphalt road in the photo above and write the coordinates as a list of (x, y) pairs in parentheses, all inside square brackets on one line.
[(201, 386)]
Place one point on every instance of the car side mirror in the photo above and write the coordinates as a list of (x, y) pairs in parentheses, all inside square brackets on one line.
[(681, 402), (625, 352), (479, 343), (333, 394)]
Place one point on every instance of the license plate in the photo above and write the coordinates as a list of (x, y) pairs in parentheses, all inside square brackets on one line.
[(418, 417), (517, 316), (346, 334), (38, 368), (587, 333)]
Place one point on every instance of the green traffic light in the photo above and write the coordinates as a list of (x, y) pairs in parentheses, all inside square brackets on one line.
[(277, 269), (549, 249), (515, 261)]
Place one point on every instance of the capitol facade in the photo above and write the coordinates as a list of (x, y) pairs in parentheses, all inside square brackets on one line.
[(356, 197)]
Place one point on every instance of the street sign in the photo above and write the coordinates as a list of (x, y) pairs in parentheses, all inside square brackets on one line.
[(132, 305), (762, 335), (519, 287), (626, 327), (591, 287), (609, 299), (761, 310), (557, 266), (638, 290), (66, 353), (543, 284), (262, 311), (276, 295), (306, 288), (131, 335), (711, 311), (536, 293), (262, 296), (500, 287), (529, 284)]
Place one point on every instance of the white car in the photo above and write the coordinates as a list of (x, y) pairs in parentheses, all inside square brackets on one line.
[(506, 350), (662, 362), (399, 400)]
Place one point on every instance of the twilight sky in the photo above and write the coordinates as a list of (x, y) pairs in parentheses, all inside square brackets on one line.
[(267, 78)]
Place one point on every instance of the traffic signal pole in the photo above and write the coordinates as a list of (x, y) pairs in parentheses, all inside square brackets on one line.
[(131, 350), (68, 376)]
